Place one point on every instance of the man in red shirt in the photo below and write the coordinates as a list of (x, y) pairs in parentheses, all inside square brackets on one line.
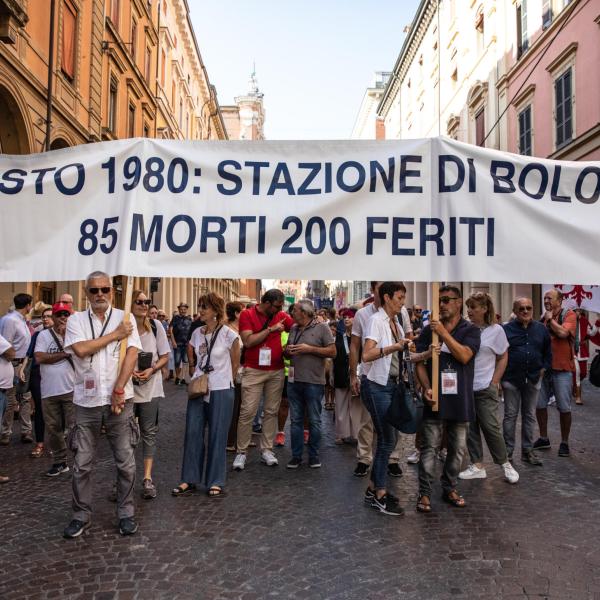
[(561, 324), (263, 375)]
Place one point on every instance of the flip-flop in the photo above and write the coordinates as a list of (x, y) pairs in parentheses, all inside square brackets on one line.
[(458, 502), (421, 506), (181, 491), (215, 492)]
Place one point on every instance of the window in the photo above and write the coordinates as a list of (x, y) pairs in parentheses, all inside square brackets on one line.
[(69, 31), (564, 108), (146, 130), (114, 13), (522, 39), (112, 104), (133, 38), (173, 94), (148, 63), (525, 147), (163, 66), (546, 13), (131, 121), (180, 113), (480, 127)]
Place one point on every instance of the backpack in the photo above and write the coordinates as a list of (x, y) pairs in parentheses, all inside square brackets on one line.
[(594, 375), (153, 326)]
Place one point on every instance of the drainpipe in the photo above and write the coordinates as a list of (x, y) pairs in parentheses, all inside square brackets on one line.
[(50, 68)]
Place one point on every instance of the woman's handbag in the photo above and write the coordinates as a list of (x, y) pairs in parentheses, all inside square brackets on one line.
[(406, 409), (198, 386)]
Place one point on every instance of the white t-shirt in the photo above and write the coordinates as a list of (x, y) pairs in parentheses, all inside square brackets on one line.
[(381, 332), (159, 346), (57, 378), (220, 378), (13, 326), (493, 344), (360, 327), (405, 317), (105, 363), (7, 371)]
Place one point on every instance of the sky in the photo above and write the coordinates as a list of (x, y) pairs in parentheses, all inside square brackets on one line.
[(314, 58)]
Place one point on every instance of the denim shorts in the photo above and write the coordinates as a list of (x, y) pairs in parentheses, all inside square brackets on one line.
[(559, 384)]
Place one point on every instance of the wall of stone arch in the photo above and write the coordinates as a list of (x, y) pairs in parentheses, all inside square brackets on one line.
[(16, 129)]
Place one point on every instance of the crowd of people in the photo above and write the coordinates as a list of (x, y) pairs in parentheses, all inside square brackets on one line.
[(89, 373)]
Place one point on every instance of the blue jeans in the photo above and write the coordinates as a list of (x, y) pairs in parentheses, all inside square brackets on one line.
[(522, 398), (309, 395), (377, 399), (180, 354), (217, 415), (559, 383), (2, 403)]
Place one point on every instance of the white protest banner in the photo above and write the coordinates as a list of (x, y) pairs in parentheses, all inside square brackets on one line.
[(420, 210)]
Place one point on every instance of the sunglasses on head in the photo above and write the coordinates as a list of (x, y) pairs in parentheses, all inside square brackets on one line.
[(524, 308), (142, 302), (62, 313), (95, 290), (447, 299)]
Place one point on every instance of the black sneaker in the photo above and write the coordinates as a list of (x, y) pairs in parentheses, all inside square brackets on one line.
[(370, 496), (127, 526), (541, 444), (361, 469), (314, 462), (256, 428), (394, 470), (57, 469), (531, 458), (387, 506), (563, 449), (75, 528), (294, 463)]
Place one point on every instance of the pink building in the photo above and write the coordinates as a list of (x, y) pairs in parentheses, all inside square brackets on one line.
[(555, 105)]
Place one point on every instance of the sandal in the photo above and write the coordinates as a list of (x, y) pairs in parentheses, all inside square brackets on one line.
[(215, 492), (423, 507), (183, 491), (454, 498), (37, 452)]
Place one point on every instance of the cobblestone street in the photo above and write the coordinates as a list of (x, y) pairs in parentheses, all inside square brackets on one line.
[(306, 533)]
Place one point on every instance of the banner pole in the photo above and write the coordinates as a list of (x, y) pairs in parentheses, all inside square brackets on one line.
[(435, 358), (127, 309)]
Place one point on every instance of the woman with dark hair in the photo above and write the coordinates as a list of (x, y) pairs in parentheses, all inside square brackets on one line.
[(208, 417), (233, 311), (490, 364), (148, 382), (383, 347)]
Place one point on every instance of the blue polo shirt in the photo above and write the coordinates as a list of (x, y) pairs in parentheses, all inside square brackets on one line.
[(454, 407), (529, 352)]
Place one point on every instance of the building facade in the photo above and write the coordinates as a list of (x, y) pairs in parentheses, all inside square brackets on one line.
[(468, 70), (83, 71)]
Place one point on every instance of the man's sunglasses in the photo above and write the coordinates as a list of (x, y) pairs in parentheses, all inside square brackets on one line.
[(104, 290), (447, 299), (183, 306), (142, 302), (62, 313), (524, 308)]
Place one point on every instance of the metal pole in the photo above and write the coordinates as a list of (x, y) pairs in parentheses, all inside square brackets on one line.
[(50, 68)]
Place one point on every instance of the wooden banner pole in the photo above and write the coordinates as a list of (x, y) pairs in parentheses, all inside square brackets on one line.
[(435, 359), (127, 309)]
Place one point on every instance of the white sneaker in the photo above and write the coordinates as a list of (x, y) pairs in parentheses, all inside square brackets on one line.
[(239, 462), (269, 458), (509, 473), (473, 472), (413, 457)]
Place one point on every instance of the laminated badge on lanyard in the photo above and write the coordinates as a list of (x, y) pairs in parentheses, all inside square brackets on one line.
[(264, 354), (90, 381), (296, 340)]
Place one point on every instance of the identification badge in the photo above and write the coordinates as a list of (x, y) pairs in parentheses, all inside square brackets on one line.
[(90, 384), (290, 374), (264, 357), (449, 382)]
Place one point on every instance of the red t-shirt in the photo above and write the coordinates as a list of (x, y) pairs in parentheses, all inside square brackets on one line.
[(254, 321)]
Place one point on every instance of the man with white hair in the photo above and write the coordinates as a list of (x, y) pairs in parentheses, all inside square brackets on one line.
[(103, 395)]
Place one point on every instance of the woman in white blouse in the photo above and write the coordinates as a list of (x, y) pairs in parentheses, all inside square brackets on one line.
[(217, 351)]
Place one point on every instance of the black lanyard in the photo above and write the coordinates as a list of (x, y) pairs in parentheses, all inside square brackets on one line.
[(101, 333), (301, 333)]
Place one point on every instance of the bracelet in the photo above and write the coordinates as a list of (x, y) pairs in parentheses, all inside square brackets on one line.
[(119, 392), (381, 354)]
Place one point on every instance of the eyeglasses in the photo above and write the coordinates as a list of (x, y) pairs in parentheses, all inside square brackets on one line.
[(417, 311), (524, 308), (47, 316), (447, 299), (62, 313), (159, 316), (104, 290), (142, 302)]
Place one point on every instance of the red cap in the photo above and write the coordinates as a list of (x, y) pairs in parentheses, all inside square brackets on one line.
[(60, 306)]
